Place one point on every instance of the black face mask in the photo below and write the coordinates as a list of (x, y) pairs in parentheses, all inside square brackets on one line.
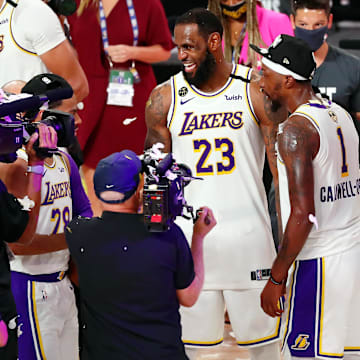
[(314, 38), (234, 11)]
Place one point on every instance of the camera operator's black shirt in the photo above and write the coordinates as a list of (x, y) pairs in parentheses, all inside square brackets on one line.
[(128, 282), (13, 221)]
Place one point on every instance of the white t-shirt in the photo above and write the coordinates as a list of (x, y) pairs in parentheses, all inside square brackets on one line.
[(26, 31)]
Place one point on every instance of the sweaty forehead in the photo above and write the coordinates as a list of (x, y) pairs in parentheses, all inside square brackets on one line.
[(186, 33)]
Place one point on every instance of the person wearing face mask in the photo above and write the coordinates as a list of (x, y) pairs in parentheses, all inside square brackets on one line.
[(337, 72), (247, 21)]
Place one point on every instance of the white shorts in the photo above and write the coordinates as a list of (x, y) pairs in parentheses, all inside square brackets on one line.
[(322, 312), (47, 317), (203, 324)]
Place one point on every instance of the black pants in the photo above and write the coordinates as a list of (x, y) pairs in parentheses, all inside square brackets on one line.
[(10, 351)]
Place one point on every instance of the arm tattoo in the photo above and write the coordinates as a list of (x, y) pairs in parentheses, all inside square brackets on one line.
[(156, 115)]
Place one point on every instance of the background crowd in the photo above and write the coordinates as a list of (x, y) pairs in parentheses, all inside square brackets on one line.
[(113, 54)]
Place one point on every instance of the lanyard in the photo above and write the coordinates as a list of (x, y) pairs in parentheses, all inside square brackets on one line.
[(133, 21)]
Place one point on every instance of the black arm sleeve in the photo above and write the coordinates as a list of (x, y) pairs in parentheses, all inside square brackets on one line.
[(13, 219)]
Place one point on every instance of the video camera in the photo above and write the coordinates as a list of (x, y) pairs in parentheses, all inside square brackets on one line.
[(15, 129), (163, 195)]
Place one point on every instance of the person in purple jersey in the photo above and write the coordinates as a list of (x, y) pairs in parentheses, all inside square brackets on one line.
[(44, 295)]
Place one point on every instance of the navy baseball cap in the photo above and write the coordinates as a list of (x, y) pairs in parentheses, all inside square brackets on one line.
[(289, 55), (117, 177)]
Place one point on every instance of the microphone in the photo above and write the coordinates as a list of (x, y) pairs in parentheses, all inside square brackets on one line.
[(34, 102)]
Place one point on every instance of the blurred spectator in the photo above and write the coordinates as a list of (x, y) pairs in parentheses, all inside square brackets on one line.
[(337, 72), (112, 121), (175, 8), (247, 21), (35, 37)]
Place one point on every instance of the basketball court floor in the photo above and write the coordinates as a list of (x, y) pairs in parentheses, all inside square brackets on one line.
[(228, 350)]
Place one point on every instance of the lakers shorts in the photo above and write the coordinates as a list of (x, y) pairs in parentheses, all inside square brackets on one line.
[(47, 316), (322, 312), (203, 324)]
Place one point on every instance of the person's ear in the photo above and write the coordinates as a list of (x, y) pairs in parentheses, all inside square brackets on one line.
[(289, 82), (214, 41), (38, 116), (292, 19), (330, 22)]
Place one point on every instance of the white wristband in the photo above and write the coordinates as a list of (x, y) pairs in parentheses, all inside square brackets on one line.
[(36, 169)]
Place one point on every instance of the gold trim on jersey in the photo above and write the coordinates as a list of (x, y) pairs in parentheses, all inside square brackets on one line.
[(336, 355), (6, 4), (217, 93), (37, 334), (13, 39), (290, 305), (174, 95), (248, 100), (190, 342), (309, 117), (266, 338)]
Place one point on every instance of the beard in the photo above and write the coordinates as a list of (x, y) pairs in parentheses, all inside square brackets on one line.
[(204, 71)]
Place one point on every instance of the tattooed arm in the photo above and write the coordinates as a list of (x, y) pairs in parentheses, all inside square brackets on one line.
[(298, 145), (157, 108), (270, 116)]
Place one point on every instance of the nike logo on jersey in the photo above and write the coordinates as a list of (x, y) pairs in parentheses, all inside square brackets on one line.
[(182, 102)]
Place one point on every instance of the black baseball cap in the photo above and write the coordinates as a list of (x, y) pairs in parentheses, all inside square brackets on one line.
[(40, 84), (289, 55)]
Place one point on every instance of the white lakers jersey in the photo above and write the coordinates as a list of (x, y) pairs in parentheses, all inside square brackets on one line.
[(218, 136), (55, 213), (26, 31), (336, 181)]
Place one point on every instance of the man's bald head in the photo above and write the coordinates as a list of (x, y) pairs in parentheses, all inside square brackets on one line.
[(14, 86)]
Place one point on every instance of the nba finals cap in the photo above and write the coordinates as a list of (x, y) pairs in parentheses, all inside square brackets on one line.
[(289, 55), (116, 177), (40, 84)]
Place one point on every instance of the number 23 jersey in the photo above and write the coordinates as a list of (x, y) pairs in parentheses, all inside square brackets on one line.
[(218, 136)]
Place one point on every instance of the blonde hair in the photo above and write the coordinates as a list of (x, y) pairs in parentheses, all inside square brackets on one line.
[(84, 4), (252, 28)]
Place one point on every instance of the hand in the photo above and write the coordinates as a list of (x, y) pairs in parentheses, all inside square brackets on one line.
[(3, 334), (47, 139), (204, 223), (120, 53), (270, 297)]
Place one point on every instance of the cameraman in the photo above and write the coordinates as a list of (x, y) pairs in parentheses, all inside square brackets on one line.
[(45, 262), (41, 84), (132, 280), (18, 225)]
